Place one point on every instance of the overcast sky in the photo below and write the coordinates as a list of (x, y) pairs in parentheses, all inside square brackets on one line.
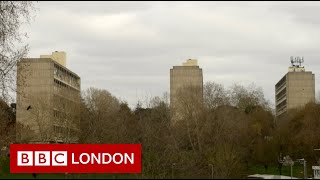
[(128, 48)]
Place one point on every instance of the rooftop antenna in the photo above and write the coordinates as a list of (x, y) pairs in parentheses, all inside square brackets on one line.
[(301, 60), (296, 61)]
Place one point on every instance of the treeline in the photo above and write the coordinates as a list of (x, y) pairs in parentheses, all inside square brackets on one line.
[(232, 130), (223, 133)]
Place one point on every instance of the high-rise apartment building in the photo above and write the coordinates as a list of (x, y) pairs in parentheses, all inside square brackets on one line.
[(48, 100), (294, 90), (186, 82)]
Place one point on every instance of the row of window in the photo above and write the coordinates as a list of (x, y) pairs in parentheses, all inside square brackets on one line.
[(64, 71), (62, 101), (281, 109), (66, 76), (281, 94), (72, 115), (60, 85), (58, 129), (284, 103), (59, 115), (65, 131), (281, 82)]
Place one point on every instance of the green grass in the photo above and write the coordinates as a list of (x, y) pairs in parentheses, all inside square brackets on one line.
[(297, 170)]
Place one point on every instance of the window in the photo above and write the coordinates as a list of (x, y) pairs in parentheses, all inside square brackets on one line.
[(58, 129)]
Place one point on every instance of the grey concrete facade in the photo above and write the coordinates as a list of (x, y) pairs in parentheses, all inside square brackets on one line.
[(187, 77), (294, 90), (48, 102)]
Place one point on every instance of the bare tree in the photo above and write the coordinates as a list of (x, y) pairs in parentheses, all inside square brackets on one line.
[(12, 15), (152, 129), (247, 98), (215, 95), (101, 108), (7, 124), (224, 136), (38, 127), (188, 111), (67, 117)]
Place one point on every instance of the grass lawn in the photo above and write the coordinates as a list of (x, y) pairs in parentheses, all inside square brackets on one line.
[(297, 170)]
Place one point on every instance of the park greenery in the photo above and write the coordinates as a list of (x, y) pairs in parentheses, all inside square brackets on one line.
[(234, 131)]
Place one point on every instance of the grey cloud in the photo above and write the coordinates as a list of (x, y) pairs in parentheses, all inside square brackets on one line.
[(96, 7), (129, 47), (305, 13)]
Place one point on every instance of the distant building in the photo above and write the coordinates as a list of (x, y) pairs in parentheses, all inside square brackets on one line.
[(187, 78), (294, 90), (48, 100)]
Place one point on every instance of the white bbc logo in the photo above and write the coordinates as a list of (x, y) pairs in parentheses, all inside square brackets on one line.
[(42, 158)]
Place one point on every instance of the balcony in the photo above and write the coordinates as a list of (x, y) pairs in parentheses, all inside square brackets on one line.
[(281, 100), (281, 111), (281, 97), (279, 89)]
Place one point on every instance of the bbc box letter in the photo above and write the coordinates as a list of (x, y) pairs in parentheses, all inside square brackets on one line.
[(59, 158), (25, 158)]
